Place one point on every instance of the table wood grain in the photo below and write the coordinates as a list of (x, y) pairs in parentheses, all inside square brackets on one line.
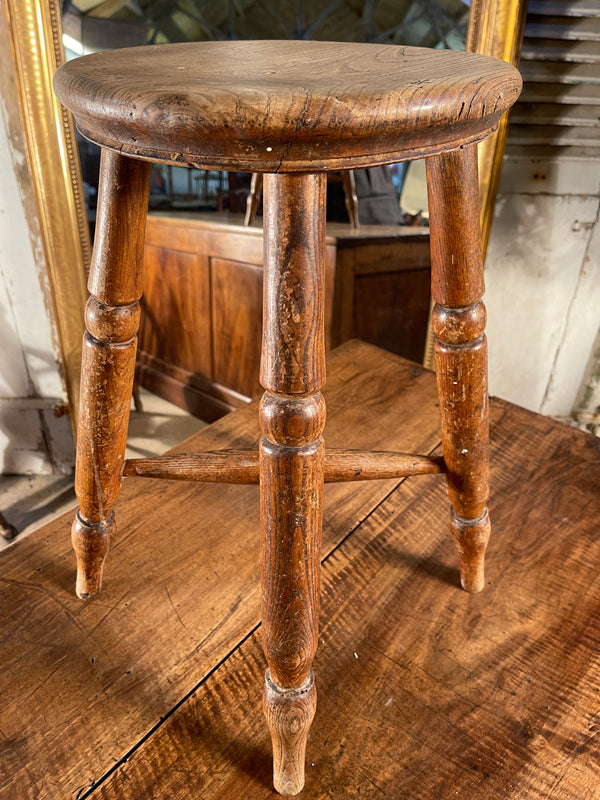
[(82, 683), (425, 692)]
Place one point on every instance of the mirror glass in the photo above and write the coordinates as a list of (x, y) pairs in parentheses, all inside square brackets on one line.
[(387, 195)]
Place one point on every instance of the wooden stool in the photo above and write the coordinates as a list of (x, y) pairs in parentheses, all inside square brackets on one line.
[(291, 110)]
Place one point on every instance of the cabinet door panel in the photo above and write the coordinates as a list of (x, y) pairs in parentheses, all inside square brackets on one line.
[(391, 310), (237, 324), (176, 309)]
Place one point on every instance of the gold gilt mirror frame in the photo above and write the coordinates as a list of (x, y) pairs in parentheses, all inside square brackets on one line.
[(36, 38), (495, 28)]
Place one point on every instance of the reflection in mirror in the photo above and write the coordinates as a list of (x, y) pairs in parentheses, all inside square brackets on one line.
[(35, 29), (91, 25), (104, 24)]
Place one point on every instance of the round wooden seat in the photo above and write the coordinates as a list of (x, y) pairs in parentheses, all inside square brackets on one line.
[(291, 110), (285, 106)]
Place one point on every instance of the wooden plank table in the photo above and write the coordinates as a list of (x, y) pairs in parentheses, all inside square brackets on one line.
[(153, 690)]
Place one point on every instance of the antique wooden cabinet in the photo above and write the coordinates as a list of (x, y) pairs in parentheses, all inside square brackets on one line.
[(199, 343)]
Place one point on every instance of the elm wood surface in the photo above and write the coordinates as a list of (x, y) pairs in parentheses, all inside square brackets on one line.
[(108, 360), (426, 692), (492, 695), (372, 105), (199, 341), (291, 458), (81, 684), (241, 466), (460, 349), (285, 106)]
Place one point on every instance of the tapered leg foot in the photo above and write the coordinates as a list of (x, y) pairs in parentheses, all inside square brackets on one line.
[(289, 714), (291, 456), (112, 318), (460, 346), (471, 538), (91, 542)]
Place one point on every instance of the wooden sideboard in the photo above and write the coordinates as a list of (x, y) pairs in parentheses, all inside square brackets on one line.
[(200, 337)]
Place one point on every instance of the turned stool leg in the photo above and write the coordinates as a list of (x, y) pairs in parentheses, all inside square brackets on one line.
[(461, 351), (292, 416), (108, 360)]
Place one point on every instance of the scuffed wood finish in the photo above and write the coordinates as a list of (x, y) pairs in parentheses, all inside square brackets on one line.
[(288, 106), (289, 714), (461, 351), (366, 466), (108, 362), (82, 683), (228, 466), (492, 695), (292, 418), (293, 111), (426, 693), (241, 466)]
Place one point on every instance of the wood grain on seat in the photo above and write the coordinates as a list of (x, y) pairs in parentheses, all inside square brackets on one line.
[(284, 106)]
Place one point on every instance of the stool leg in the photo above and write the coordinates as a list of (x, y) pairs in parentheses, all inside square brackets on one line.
[(253, 199), (108, 360), (292, 416), (461, 351)]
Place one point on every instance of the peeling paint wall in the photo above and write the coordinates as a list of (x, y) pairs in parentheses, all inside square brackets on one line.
[(35, 433), (543, 281)]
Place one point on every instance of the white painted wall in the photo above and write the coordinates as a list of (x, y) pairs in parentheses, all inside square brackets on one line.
[(33, 439), (543, 281)]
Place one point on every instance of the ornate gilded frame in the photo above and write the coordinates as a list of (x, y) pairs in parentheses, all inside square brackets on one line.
[(495, 28), (36, 36)]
